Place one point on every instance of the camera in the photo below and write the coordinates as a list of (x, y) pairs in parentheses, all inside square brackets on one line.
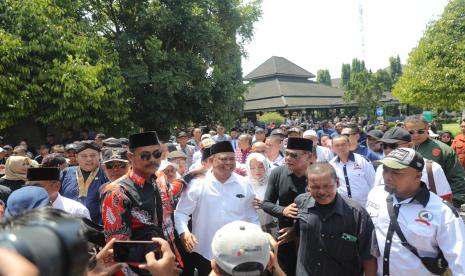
[(56, 247)]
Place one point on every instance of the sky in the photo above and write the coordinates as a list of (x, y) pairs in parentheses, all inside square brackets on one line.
[(323, 34)]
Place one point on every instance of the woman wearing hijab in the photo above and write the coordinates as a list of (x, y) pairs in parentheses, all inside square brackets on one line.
[(15, 172), (258, 171), (446, 137)]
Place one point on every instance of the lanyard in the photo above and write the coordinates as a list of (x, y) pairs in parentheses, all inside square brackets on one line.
[(84, 186), (346, 177)]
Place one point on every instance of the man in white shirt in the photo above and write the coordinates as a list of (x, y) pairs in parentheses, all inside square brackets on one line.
[(49, 179), (429, 224), (221, 197), (400, 138), (356, 174), (322, 154), (274, 144)]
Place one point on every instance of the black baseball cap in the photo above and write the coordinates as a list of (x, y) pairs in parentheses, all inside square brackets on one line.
[(395, 135), (375, 133)]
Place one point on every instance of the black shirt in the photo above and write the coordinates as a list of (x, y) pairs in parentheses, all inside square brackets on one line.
[(285, 186), (334, 239)]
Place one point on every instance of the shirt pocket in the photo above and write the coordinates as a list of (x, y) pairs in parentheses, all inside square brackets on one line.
[(341, 249)]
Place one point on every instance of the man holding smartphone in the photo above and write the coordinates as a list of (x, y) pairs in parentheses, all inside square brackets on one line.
[(131, 205)]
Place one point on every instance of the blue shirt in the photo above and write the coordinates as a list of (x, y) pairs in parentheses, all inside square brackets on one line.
[(368, 153)]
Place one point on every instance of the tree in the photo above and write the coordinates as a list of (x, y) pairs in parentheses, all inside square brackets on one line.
[(434, 76), (384, 79), (55, 70), (323, 77), (395, 68), (363, 87), (345, 75), (180, 59)]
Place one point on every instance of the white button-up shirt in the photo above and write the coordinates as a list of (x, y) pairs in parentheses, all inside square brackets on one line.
[(279, 161), (323, 154), (212, 205), (71, 206), (361, 176), (440, 181), (427, 224)]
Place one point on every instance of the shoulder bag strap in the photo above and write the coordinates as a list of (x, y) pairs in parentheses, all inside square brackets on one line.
[(429, 171)]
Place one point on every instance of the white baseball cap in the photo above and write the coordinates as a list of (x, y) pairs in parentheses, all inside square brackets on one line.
[(240, 247), (310, 132)]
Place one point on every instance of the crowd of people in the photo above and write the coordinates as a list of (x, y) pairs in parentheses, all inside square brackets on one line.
[(337, 197)]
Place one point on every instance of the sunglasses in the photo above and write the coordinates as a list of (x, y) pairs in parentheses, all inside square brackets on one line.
[(145, 155), (390, 146), (348, 134), (420, 131), (114, 165)]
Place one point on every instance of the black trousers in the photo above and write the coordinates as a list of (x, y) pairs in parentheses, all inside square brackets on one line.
[(287, 258), (203, 265)]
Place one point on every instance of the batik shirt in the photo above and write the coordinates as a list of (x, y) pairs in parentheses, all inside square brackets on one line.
[(131, 208)]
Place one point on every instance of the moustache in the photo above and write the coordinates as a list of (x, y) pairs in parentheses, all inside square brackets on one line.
[(153, 165)]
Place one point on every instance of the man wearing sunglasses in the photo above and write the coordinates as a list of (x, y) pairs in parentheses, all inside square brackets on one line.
[(131, 205), (353, 133), (285, 184), (439, 152), (400, 138), (115, 163)]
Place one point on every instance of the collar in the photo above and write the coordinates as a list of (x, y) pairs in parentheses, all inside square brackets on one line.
[(422, 195), (57, 200), (137, 179), (338, 207), (247, 150), (351, 157)]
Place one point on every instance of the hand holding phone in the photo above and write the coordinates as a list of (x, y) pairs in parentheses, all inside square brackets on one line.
[(133, 251), (165, 265)]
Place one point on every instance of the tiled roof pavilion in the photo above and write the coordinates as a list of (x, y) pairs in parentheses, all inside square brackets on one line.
[(279, 84)]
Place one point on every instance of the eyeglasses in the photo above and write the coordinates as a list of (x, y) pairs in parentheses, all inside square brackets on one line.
[(420, 131), (145, 155), (115, 165), (348, 134), (390, 146)]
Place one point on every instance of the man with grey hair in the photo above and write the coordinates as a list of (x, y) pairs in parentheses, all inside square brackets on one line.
[(439, 152), (244, 149)]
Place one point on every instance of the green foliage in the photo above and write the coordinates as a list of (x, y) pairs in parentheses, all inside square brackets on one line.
[(269, 117), (345, 75), (323, 77), (181, 59), (395, 68), (364, 88), (384, 79), (54, 68), (435, 72)]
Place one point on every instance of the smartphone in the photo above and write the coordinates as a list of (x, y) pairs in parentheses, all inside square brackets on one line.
[(133, 251)]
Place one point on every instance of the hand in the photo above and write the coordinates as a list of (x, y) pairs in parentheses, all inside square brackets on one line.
[(13, 264), (286, 235), (290, 211), (188, 240), (105, 264), (274, 257), (257, 203), (166, 265)]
